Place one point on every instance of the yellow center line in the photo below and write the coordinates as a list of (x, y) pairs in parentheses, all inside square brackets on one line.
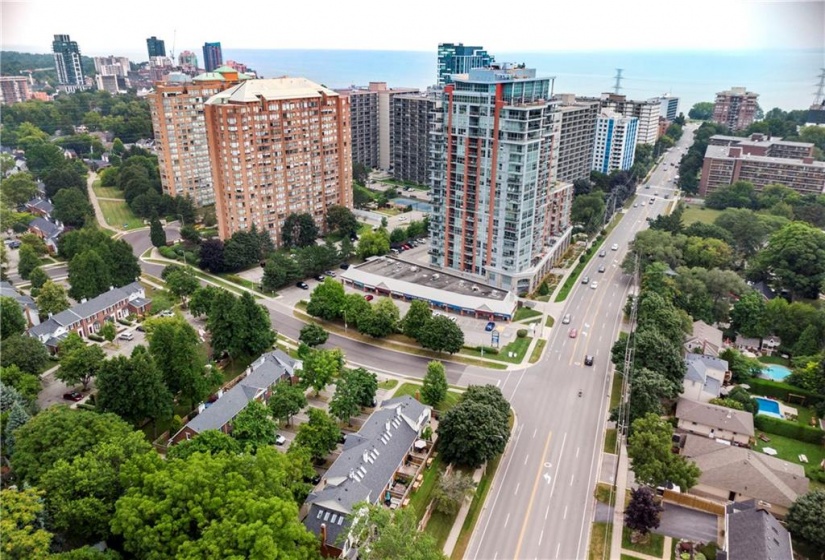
[(533, 495)]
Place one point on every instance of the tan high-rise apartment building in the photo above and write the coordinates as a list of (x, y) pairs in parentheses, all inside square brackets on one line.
[(278, 146), (14, 89), (180, 132), (577, 136), (735, 108)]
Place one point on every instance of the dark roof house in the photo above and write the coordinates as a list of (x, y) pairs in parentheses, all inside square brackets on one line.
[(752, 533), (704, 376), (26, 303)]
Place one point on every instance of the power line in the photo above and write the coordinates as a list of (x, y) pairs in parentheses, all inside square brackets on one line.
[(820, 91), (618, 77)]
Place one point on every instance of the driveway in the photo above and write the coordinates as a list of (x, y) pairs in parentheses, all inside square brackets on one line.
[(684, 523)]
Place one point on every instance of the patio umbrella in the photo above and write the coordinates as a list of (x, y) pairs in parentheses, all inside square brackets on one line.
[(769, 450), (420, 444)]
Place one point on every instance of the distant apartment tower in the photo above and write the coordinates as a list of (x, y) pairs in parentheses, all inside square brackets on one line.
[(188, 59), (68, 65), (155, 46), (669, 106), (112, 83), (278, 146), (212, 56), (458, 59), (413, 115), (646, 112), (498, 214), (177, 108), (762, 161), (577, 136), (14, 89), (112, 65), (615, 145), (735, 108)]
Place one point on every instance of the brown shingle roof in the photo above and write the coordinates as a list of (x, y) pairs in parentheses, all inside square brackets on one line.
[(719, 417)]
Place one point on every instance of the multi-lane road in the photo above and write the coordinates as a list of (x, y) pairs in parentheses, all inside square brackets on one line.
[(541, 503)]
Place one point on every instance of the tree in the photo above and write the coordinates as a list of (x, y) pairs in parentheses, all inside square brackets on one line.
[(313, 335), (79, 362), (442, 335), (17, 189), (88, 275), (702, 111), (201, 301), (254, 330), (72, 207), (253, 428), (21, 524), (588, 210), (286, 401), (281, 269), (299, 230), (327, 300), (642, 513), (451, 491), (416, 319), (28, 261), (656, 352), (182, 283), (175, 347), (52, 299), (208, 441), (344, 403), (222, 320), (373, 243), (384, 534), (472, 433), (341, 220), (17, 416), (212, 255), (652, 461), (133, 388), (320, 367), (355, 309), (25, 352), (805, 517), (647, 391), (26, 384), (227, 505), (12, 320), (434, 387), (108, 331), (190, 235), (748, 315), (365, 384), (319, 434), (740, 194), (156, 233), (61, 433), (795, 256), (382, 321), (81, 492), (346, 249)]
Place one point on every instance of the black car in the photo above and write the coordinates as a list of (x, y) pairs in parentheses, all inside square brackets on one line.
[(73, 396), (344, 266), (302, 285), (320, 277), (588, 360)]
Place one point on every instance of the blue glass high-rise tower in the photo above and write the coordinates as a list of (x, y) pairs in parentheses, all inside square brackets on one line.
[(458, 59)]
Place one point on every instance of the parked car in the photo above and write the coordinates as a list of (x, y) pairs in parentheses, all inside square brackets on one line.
[(320, 277), (127, 335), (573, 333), (302, 285), (14, 244), (566, 319), (73, 396), (279, 439), (329, 273), (343, 266), (166, 313), (342, 438), (490, 326), (140, 328), (588, 360), (369, 297)]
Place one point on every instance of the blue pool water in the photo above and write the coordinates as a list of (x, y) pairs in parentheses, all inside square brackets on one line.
[(768, 407), (416, 204), (776, 372)]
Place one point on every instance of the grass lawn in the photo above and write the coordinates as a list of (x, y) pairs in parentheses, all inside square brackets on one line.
[(537, 350), (391, 211), (421, 497), (519, 346), (476, 506), (610, 440), (550, 321), (694, 213), (388, 384), (616, 391), (775, 360), (107, 192), (655, 545), (410, 389), (600, 541), (439, 526), (117, 214), (603, 494), (525, 313), (790, 449)]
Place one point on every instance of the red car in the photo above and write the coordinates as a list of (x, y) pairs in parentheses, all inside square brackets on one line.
[(73, 396), (573, 333), (369, 297)]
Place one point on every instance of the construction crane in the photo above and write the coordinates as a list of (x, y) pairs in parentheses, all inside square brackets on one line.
[(172, 52)]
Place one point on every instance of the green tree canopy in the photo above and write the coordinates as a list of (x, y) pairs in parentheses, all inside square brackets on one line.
[(373, 243), (442, 335), (72, 207), (434, 388), (12, 320), (299, 230), (702, 111), (416, 319), (795, 257), (327, 300), (286, 401), (175, 347), (79, 362), (805, 518), (652, 461), (318, 435), (313, 335), (212, 442), (320, 367), (253, 428), (25, 352), (89, 275), (156, 233), (21, 525), (28, 261), (384, 534), (52, 299), (341, 220)]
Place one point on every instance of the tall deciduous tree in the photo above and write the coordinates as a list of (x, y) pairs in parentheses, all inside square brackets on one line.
[(208, 441), (795, 256), (156, 233), (474, 431), (52, 299), (642, 513), (280, 270), (12, 320), (313, 335), (253, 428), (320, 367), (37, 278), (748, 315), (299, 230), (434, 388), (28, 261), (79, 362), (344, 403), (416, 319), (327, 300), (365, 384), (286, 401), (442, 335), (254, 331), (652, 461), (222, 320), (340, 219), (21, 524), (25, 352), (201, 301), (805, 518), (175, 347), (89, 275), (17, 189), (373, 243), (319, 434), (451, 491), (212, 255), (182, 283), (72, 207), (383, 320), (384, 534)]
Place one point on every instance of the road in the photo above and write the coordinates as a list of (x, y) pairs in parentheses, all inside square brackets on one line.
[(541, 503)]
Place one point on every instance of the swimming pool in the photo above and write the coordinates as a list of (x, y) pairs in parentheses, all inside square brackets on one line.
[(768, 407), (775, 372)]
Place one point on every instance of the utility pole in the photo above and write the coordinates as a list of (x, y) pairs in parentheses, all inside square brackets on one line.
[(618, 77), (820, 90)]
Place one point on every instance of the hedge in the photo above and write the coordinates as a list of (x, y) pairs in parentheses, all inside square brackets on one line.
[(96, 337), (779, 390), (788, 429)]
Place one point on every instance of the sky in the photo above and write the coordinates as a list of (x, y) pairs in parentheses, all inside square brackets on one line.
[(111, 27)]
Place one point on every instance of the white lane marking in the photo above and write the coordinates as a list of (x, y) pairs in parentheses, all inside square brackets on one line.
[(498, 383), (541, 536), (577, 452), (525, 459), (546, 513), (535, 431), (506, 521), (517, 487), (565, 513), (553, 489), (572, 476), (558, 546)]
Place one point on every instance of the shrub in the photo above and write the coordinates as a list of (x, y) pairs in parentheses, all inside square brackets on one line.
[(96, 338), (124, 322), (788, 429), (521, 333), (487, 349), (168, 252), (779, 390)]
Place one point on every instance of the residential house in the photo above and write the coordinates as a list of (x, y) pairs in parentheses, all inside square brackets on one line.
[(737, 474), (48, 231), (88, 316), (752, 533), (40, 207), (704, 377), (714, 421), (259, 379), (707, 339), (27, 304), (367, 471)]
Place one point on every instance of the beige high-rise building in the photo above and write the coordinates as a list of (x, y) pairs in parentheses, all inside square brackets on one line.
[(278, 146), (735, 108), (180, 132)]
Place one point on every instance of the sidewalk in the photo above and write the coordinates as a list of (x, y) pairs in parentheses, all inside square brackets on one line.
[(452, 538), (618, 509), (101, 220)]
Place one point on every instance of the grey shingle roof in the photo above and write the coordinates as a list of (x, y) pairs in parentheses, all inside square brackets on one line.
[(266, 371), (708, 370), (7, 290), (755, 534), (49, 326), (48, 228), (745, 471), (719, 417), (368, 462), (41, 204)]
